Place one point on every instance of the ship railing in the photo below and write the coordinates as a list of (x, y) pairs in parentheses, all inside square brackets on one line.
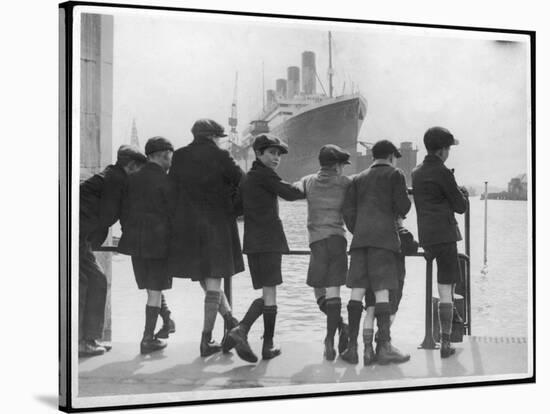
[(463, 288)]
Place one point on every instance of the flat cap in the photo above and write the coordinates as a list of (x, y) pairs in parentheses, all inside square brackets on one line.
[(206, 127), (332, 154), (130, 152), (158, 144), (437, 137), (384, 148), (267, 140)]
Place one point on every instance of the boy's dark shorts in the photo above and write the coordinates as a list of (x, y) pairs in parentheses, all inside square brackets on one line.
[(446, 257), (265, 269), (395, 297), (374, 268), (328, 263), (151, 274)]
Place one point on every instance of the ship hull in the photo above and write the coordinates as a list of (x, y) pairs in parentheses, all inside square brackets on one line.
[(336, 122)]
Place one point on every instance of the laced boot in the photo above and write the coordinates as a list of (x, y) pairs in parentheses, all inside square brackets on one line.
[(240, 335), (446, 349), (343, 336), (369, 356), (228, 343), (330, 353), (87, 348), (387, 354), (269, 351), (208, 346), (150, 344), (355, 308)]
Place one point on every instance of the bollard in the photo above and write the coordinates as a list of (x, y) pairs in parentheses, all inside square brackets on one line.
[(428, 342)]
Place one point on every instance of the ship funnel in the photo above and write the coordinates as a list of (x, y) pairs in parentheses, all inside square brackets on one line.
[(280, 86), (270, 97), (308, 73), (293, 82)]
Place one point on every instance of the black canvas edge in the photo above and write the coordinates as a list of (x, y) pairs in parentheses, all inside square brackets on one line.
[(65, 148), (65, 165)]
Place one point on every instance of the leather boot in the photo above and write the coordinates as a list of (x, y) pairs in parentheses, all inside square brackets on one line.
[(168, 327), (387, 354), (369, 357), (150, 344), (330, 353), (240, 336), (208, 346), (269, 351), (446, 349), (343, 337), (355, 308), (88, 348), (228, 343), (350, 354), (368, 354)]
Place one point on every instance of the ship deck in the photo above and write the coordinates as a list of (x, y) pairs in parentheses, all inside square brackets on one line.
[(301, 369)]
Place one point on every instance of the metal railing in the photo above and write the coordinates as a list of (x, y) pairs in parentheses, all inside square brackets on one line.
[(463, 287)]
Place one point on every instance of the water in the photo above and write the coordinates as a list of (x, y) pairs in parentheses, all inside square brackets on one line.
[(499, 298)]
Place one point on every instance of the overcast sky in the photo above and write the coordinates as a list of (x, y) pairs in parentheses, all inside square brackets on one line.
[(170, 70)]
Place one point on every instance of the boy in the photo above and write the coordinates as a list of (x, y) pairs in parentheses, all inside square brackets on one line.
[(408, 246), (328, 264), (205, 243), (100, 208), (437, 197), (146, 230), (376, 197), (264, 240)]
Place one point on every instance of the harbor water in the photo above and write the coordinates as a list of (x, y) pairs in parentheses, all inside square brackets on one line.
[(499, 297)]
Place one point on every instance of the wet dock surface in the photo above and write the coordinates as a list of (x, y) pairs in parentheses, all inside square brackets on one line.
[(179, 368)]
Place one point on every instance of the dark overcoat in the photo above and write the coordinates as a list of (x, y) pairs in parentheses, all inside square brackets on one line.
[(101, 203), (205, 241), (375, 199), (437, 197), (263, 229), (145, 220)]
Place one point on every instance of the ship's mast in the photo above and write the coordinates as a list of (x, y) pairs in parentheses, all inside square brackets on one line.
[(233, 135), (330, 70)]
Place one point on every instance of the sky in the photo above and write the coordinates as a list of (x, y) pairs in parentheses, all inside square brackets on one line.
[(171, 69)]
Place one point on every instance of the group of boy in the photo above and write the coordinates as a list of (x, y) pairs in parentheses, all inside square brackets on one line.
[(178, 219)]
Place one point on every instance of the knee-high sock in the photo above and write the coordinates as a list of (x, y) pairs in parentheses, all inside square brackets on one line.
[(254, 312), (211, 304), (382, 312), (446, 318), (164, 310), (270, 316), (334, 308), (151, 316), (355, 308)]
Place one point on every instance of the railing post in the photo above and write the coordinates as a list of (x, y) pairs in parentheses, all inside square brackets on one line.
[(428, 342)]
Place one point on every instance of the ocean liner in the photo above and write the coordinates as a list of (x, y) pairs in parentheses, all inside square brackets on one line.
[(305, 120)]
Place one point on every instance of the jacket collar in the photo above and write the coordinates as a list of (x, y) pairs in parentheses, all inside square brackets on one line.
[(327, 172), (153, 166), (434, 159), (260, 167), (203, 141)]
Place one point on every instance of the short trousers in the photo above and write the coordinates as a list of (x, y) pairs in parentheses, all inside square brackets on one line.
[(395, 297), (328, 263), (446, 257), (265, 269), (374, 268), (151, 274)]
